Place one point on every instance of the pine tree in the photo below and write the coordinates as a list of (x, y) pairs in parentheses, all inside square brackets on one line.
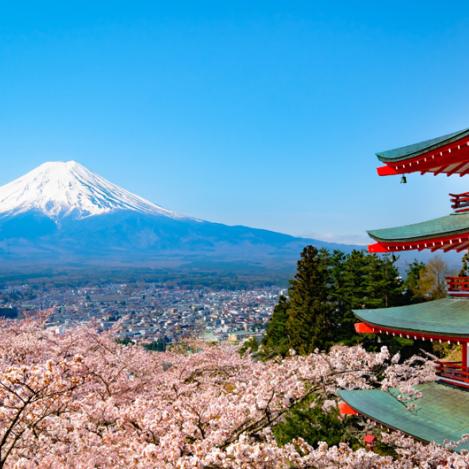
[(311, 310), (353, 293), (385, 285), (364, 281), (276, 340)]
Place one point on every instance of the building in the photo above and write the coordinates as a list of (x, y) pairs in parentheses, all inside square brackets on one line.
[(442, 413)]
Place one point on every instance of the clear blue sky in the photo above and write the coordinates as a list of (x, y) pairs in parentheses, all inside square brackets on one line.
[(264, 113)]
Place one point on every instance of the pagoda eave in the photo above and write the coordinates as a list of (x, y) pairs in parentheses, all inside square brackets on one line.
[(458, 242), (446, 155), (460, 168), (444, 319), (450, 232), (369, 328), (441, 414)]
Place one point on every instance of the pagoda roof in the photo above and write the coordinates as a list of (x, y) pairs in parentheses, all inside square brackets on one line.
[(446, 318), (448, 154), (448, 232), (440, 415), (409, 151), (454, 223)]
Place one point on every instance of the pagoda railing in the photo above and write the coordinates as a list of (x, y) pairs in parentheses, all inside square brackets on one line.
[(454, 372), (460, 202), (457, 286)]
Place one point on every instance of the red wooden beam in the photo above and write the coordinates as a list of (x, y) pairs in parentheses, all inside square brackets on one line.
[(449, 246), (456, 168), (386, 171), (438, 245), (442, 168), (377, 247), (363, 328), (345, 409)]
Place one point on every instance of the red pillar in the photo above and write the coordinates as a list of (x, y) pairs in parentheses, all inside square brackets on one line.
[(465, 364)]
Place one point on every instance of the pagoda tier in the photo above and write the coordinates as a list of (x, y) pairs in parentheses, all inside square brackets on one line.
[(448, 154), (446, 319), (440, 415), (446, 233), (440, 320)]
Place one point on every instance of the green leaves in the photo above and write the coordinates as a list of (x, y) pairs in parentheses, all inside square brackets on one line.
[(326, 288), (276, 338), (310, 311), (308, 420)]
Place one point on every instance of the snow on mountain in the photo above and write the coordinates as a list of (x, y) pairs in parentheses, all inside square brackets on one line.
[(62, 213), (68, 189)]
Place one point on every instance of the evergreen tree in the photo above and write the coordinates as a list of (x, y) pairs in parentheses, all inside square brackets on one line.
[(367, 281), (326, 289), (387, 286), (311, 310), (337, 261), (276, 339)]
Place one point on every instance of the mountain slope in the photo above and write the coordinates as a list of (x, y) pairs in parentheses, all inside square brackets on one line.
[(62, 212), (68, 189)]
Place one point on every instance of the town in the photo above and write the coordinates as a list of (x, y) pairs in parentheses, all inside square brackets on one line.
[(148, 312)]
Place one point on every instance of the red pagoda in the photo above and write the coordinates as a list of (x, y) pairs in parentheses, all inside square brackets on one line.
[(442, 414)]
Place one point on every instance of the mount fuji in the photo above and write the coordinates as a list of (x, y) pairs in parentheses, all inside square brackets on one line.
[(68, 189), (61, 212)]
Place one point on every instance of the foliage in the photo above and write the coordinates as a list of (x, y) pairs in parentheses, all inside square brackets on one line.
[(155, 346), (432, 283), (464, 272), (367, 281), (250, 346), (312, 421), (310, 309), (413, 290), (80, 399), (326, 289), (276, 337), (125, 341)]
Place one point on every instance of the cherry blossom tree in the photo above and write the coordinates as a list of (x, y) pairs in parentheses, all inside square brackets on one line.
[(80, 399)]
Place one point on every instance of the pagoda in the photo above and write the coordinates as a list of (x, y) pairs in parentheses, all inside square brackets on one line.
[(442, 413)]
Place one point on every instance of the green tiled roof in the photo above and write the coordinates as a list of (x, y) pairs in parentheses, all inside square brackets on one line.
[(449, 316), (451, 224), (442, 413), (409, 151)]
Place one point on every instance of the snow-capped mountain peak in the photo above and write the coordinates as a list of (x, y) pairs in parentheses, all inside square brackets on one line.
[(59, 189)]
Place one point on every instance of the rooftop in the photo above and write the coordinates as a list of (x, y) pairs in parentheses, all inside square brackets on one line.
[(440, 415), (447, 233), (446, 317), (410, 151), (450, 224)]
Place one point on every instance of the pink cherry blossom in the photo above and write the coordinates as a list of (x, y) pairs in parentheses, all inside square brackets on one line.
[(81, 400)]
